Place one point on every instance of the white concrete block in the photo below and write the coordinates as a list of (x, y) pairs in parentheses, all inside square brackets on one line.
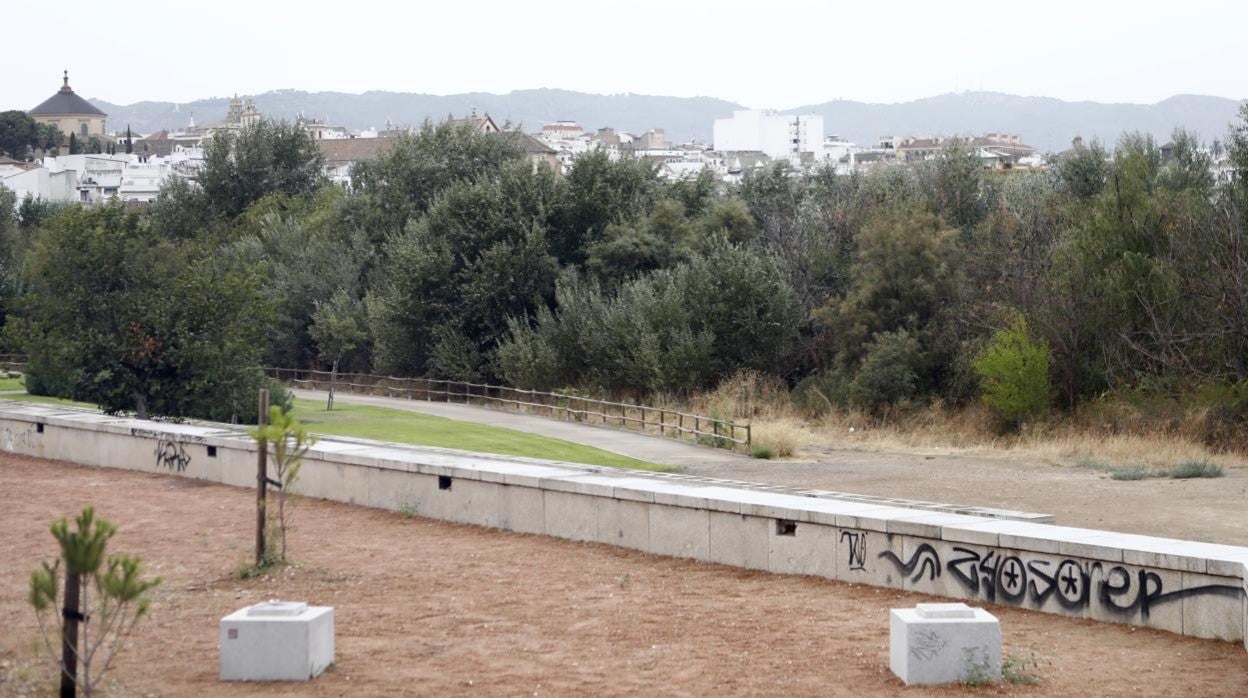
[(679, 532), (572, 516), (624, 523), (936, 643), (276, 641), (740, 541)]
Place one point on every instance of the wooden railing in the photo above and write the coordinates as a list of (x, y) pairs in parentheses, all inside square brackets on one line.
[(660, 421), (13, 362)]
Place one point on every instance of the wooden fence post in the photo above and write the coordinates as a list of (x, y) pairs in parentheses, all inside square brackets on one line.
[(262, 476)]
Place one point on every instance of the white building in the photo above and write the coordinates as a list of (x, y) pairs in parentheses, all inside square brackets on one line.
[(96, 178), (796, 138)]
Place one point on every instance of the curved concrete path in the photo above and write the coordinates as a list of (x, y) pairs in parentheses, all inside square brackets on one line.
[(645, 447)]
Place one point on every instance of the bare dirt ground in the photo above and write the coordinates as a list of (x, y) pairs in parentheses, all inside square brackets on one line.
[(1200, 509), (430, 608)]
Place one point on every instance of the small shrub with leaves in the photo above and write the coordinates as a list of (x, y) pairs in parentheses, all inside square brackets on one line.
[(1014, 373), (103, 599)]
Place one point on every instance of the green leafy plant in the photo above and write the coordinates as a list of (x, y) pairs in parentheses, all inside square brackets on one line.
[(1022, 668), (977, 670), (762, 453), (1195, 469), (290, 442), (104, 597), (1014, 373)]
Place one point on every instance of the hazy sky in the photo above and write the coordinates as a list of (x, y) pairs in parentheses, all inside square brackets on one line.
[(763, 53)]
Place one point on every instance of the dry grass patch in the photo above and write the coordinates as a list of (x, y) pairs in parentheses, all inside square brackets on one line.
[(783, 437)]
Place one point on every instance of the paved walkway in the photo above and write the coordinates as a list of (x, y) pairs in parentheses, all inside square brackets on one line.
[(626, 443)]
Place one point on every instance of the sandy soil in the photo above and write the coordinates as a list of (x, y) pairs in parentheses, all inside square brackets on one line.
[(1204, 509), (430, 608)]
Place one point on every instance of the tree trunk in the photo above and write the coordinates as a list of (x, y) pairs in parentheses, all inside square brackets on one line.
[(140, 405), (69, 636), (333, 382)]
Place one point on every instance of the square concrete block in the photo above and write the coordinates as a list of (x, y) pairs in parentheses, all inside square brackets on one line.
[(572, 516), (399, 490), (944, 643), (624, 522), (276, 641), (1128, 592), (1212, 607), (856, 554), (801, 548), (336, 481), (473, 502), (885, 560), (679, 532), (524, 510), (737, 540)]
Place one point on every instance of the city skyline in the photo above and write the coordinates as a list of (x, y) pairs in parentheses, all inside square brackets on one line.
[(789, 54)]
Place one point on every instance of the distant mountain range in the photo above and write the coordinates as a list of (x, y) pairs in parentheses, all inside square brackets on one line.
[(1046, 123)]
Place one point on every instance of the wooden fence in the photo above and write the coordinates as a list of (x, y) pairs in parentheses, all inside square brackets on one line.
[(660, 421), (13, 362)]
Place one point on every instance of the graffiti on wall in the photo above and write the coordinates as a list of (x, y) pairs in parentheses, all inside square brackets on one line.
[(172, 455), (1074, 584), (164, 436), (856, 543), (14, 438)]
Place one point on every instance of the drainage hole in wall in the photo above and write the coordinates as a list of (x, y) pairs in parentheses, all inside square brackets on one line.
[(212, 451), (784, 527), (39, 427), (444, 482)]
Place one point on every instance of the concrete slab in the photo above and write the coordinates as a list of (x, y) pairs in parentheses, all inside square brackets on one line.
[(679, 532), (571, 516), (737, 540), (625, 523), (803, 548)]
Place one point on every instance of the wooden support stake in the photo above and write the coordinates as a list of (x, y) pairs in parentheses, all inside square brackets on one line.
[(262, 476)]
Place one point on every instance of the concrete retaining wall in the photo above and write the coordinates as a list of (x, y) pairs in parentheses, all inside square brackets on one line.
[(1197, 589)]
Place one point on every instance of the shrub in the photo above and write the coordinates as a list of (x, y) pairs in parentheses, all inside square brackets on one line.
[(782, 437), (1014, 373), (888, 374), (1130, 472), (762, 453), (1195, 469), (110, 589), (290, 441)]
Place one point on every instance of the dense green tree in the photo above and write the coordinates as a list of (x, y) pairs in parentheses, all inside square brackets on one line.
[(1081, 171), (307, 257), (906, 279), (728, 219), (662, 239), (673, 329), (602, 192), (261, 159), (9, 256), (49, 138), (264, 159), (401, 184), (117, 315), (956, 185), (18, 132), (449, 284)]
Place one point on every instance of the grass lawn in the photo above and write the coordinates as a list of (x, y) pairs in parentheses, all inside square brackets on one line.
[(44, 400), (12, 383), (402, 426)]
